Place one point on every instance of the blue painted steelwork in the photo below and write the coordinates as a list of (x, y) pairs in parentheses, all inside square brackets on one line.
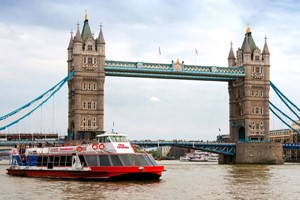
[(52, 90), (167, 71), (289, 146), (272, 105), (220, 148), (284, 99)]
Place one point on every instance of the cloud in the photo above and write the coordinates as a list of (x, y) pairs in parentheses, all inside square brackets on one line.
[(34, 37), (154, 99)]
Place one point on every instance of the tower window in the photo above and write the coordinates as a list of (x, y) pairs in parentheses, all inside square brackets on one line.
[(257, 69), (257, 58), (95, 86), (261, 93), (90, 47), (257, 110), (90, 60)]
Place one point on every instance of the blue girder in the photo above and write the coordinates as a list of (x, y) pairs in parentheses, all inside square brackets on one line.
[(167, 71), (52, 91), (290, 146), (220, 148)]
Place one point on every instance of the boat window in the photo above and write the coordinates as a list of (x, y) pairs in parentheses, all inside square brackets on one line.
[(151, 159), (56, 161), (40, 161), (102, 139), (104, 160), (119, 139), (82, 160), (116, 160), (50, 162), (147, 160), (62, 160), (45, 160), (134, 160), (50, 159), (92, 160), (142, 160), (69, 161), (125, 159)]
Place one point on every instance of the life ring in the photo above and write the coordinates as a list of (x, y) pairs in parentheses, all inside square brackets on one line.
[(79, 148), (101, 146), (95, 146)]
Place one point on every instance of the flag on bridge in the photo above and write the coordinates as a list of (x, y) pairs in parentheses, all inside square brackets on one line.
[(196, 52), (159, 52)]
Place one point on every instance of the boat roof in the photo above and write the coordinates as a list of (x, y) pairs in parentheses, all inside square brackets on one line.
[(111, 134)]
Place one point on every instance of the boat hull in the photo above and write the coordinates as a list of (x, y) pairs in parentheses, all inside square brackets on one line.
[(95, 173)]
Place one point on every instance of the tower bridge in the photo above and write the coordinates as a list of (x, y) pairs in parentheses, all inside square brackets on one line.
[(247, 75)]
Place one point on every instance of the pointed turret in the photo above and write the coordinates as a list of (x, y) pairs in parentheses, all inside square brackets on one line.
[(86, 30), (78, 36), (266, 49), (250, 40), (231, 57), (100, 37), (247, 46), (71, 43), (266, 53), (246, 51), (101, 42), (77, 45)]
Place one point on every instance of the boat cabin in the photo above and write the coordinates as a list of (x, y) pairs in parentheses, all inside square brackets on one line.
[(115, 142)]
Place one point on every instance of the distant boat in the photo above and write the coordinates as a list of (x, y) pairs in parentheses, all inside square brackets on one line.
[(213, 157), (198, 156), (111, 158)]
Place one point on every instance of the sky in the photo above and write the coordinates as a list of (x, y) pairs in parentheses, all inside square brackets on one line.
[(34, 37)]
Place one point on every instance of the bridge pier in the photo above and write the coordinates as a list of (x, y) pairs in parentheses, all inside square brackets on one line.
[(255, 153)]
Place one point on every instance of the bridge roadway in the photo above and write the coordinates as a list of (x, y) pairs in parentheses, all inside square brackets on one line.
[(214, 147)]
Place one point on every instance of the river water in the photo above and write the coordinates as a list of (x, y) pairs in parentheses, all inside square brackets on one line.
[(181, 180)]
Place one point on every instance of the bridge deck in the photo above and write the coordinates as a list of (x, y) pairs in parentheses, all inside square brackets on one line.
[(169, 71)]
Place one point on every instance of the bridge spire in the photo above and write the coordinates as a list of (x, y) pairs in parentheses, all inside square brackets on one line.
[(101, 37), (231, 57), (266, 53), (86, 30), (266, 49), (71, 43), (78, 36)]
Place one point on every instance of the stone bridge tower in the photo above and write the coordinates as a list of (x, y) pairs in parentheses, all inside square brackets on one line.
[(86, 55), (249, 96)]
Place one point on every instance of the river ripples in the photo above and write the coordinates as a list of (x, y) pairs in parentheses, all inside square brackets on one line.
[(182, 180)]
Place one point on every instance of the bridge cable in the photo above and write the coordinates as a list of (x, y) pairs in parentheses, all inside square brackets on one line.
[(285, 116), (280, 95), (30, 103), (59, 85)]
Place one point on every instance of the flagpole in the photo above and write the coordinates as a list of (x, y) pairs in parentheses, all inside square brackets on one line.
[(159, 54), (196, 54)]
